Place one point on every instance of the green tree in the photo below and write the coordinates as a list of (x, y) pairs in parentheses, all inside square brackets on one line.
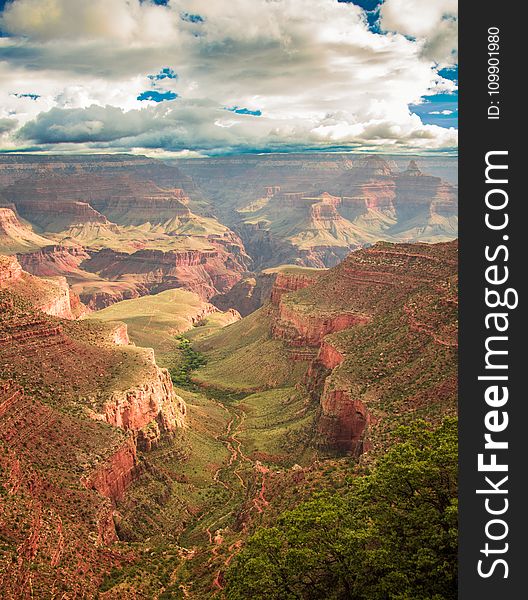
[(391, 536)]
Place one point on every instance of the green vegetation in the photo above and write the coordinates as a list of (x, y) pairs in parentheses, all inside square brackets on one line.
[(278, 427), (190, 360), (392, 535), (243, 358), (154, 320)]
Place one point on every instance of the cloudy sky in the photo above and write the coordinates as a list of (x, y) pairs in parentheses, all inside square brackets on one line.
[(186, 77)]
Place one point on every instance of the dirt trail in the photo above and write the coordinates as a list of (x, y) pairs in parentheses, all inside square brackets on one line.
[(237, 466)]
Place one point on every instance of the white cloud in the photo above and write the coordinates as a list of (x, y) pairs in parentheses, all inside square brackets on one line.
[(312, 67), (433, 22)]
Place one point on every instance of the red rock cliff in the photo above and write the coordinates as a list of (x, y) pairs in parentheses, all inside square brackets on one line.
[(112, 478)]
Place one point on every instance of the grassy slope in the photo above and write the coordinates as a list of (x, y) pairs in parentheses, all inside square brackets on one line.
[(243, 357), (175, 234), (153, 321)]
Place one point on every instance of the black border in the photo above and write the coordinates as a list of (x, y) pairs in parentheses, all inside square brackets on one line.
[(478, 135)]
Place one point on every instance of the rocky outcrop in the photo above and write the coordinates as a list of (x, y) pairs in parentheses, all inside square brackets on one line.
[(247, 295), (10, 271), (60, 375), (113, 477), (52, 296), (312, 211), (329, 356), (16, 236), (286, 282), (402, 290), (298, 329), (60, 304), (250, 293), (54, 260), (343, 422), (206, 272), (120, 335), (153, 400), (15, 167)]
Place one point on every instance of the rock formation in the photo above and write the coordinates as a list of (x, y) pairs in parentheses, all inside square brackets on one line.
[(313, 210), (16, 236), (375, 337), (76, 401), (251, 293), (52, 296)]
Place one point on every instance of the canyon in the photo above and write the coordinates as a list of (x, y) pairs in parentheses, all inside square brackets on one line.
[(357, 329), (188, 348), (313, 210), (204, 225), (110, 215)]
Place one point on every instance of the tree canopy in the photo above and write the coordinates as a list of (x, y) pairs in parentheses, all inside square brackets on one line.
[(392, 535)]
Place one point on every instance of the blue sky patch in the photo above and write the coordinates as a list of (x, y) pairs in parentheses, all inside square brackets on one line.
[(190, 18), (371, 8), (449, 73), (165, 73), (245, 111), (441, 110), (30, 96), (157, 96)]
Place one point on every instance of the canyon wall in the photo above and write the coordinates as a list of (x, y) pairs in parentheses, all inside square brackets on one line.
[(250, 293), (340, 323), (52, 296)]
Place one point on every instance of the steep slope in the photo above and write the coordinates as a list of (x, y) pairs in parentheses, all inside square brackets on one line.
[(251, 293), (137, 238), (16, 236), (374, 203), (17, 167), (377, 334), (76, 403), (206, 265), (103, 202), (322, 373), (317, 233), (50, 295)]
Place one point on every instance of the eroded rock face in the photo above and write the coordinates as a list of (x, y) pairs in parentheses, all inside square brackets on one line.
[(329, 356), (251, 293), (59, 379), (14, 235), (403, 290), (343, 422), (60, 304), (299, 329), (290, 282), (153, 400), (205, 272), (53, 260), (10, 270), (312, 211), (56, 202), (49, 295), (113, 477)]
